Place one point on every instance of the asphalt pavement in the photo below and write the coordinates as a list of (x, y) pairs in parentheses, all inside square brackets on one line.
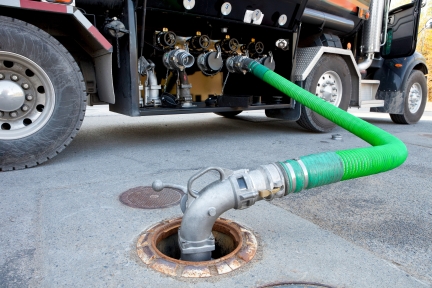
[(62, 224)]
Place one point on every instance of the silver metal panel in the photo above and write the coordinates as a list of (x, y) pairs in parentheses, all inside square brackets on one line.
[(368, 90), (373, 27), (308, 57), (371, 103), (104, 78)]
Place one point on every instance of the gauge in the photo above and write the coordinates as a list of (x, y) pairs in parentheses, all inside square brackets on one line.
[(282, 20), (226, 8), (188, 4), (257, 14)]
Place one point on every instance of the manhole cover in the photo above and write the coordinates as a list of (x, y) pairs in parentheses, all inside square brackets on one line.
[(145, 197), (296, 285)]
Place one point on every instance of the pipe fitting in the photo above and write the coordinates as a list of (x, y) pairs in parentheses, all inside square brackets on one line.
[(183, 90), (151, 87), (235, 190), (238, 64), (178, 59), (366, 63)]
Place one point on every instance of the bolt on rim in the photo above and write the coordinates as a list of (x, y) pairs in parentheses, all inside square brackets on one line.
[(27, 96), (329, 88), (415, 97)]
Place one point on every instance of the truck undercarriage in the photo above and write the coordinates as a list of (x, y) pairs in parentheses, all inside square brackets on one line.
[(152, 57)]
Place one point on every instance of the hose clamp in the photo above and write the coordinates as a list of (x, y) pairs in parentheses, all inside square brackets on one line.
[(189, 247), (293, 178), (305, 173)]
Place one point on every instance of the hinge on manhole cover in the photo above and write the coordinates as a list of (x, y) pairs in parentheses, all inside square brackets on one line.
[(144, 197)]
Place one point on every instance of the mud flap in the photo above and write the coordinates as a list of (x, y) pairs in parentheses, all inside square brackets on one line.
[(393, 102)]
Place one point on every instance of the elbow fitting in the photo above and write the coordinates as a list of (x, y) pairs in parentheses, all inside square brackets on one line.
[(152, 88), (238, 190), (367, 63)]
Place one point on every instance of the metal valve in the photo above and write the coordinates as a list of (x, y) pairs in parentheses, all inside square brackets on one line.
[(283, 44), (178, 59), (200, 42), (229, 45), (115, 28), (254, 47), (166, 39)]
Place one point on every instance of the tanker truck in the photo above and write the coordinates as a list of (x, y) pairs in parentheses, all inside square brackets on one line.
[(164, 57)]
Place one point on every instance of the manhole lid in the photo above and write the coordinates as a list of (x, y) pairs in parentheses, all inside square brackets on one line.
[(144, 197)]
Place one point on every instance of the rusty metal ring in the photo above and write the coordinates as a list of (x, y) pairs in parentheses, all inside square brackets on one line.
[(243, 253)]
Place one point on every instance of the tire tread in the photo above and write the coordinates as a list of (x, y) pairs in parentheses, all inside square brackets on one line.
[(68, 56)]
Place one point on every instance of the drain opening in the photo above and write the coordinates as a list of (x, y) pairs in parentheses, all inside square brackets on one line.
[(158, 248), (225, 242)]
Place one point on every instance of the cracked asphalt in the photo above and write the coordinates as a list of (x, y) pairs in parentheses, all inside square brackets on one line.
[(62, 224)]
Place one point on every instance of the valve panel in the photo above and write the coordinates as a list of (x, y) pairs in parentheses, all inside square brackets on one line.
[(266, 13)]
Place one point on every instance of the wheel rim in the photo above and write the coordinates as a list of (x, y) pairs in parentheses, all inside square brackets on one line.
[(27, 96), (415, 97), (329, 88)]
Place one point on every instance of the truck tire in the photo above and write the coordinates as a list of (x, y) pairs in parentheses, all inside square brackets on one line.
[(415, 99), (229, 114), (42, 96), (330, 80)]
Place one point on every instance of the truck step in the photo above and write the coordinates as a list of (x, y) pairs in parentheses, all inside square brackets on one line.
[(368, 90)]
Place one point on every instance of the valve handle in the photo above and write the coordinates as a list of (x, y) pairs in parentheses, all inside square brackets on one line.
[(158, 186), (195, 194)]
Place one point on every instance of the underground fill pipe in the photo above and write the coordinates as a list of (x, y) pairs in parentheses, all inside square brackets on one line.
[(242, 188)]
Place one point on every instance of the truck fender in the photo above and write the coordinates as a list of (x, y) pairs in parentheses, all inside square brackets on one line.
[(392, 78), (308, 57), (89, 37)]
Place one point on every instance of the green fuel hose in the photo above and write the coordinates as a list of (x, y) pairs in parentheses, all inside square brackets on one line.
[(388, 152)]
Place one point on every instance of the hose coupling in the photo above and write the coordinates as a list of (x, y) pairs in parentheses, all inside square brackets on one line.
[(193, 247), (268, 61), (238, 64), (178, 59), (265, 183)]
